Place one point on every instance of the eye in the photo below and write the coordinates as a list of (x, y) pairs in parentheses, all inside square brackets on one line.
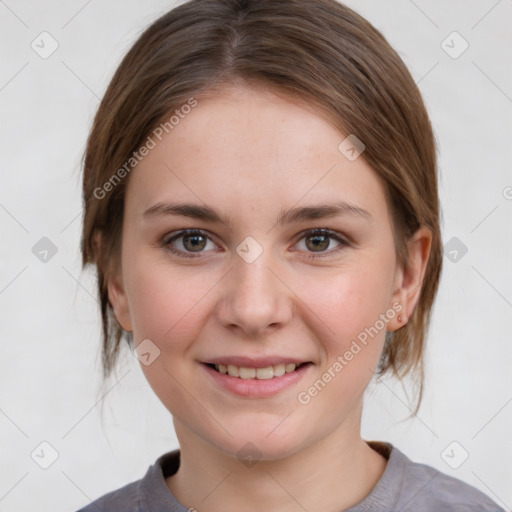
[(319, 240), (188, 243), (192, 243)]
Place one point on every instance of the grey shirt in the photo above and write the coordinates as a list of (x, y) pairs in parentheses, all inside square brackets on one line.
[(404, 486)]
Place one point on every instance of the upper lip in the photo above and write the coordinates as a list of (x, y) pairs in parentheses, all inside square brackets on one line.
[(254, 362)]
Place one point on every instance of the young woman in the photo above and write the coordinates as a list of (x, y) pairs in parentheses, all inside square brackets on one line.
[(261, 205)]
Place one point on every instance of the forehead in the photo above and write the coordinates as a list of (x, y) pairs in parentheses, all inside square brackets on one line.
[(250, 149)]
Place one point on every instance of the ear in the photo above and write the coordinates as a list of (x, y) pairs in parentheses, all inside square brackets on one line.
[(409, 279), (119, 300), (116, 291)]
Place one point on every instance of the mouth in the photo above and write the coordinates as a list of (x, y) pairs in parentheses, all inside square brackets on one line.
[(256, 373), (261, 377)]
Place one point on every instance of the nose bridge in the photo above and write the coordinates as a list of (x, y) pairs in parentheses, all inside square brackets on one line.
[(256, 299)]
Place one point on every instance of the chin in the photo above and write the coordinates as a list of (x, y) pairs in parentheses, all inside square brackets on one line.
[(250, 451), (257, 442)]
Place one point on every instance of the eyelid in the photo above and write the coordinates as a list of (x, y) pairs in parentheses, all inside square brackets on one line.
[(343, 240), (168, 237), (324, 231), (175, 235)]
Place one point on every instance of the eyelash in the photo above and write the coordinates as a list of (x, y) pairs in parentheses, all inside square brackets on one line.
[(166, 242)]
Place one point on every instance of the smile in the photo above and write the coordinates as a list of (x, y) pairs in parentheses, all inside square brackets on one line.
[(255, 378), (268, 372)]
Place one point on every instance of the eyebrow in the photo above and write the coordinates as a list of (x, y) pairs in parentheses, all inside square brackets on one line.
[(205, 213)]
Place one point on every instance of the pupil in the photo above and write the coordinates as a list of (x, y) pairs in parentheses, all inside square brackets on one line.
[(320, 241), (197, 242)]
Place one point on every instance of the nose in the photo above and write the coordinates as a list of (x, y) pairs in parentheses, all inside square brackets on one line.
[(255, 300)]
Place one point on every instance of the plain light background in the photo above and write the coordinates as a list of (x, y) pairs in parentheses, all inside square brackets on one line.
[(50, 327)]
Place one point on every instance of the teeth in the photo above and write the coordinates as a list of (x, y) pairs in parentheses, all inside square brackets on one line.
[(256, 373), (279, 369), (233, 370), (265, 373), (247, 373)]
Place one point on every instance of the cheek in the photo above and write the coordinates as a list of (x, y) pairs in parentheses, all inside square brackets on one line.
[(167, 306), (350, 302), (167, 302), (171, 304)]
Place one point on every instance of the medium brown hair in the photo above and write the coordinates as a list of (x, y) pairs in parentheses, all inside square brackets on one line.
[(317, 50)]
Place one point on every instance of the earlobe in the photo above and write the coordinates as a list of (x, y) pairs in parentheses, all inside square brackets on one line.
[(116, 292), (410, 278), (119, 301)]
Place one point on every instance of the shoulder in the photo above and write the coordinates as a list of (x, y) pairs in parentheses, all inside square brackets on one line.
[(424, 488), (148, 493), (124, 499)]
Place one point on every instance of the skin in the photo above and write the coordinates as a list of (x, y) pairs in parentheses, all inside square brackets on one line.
[(249, 153)]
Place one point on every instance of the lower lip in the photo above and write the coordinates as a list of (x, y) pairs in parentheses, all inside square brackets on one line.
[(257, 388)]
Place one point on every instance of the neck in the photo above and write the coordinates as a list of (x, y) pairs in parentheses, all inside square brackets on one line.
[(331, 475)]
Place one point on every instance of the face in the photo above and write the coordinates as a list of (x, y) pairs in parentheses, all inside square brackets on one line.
[(253, 246)]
